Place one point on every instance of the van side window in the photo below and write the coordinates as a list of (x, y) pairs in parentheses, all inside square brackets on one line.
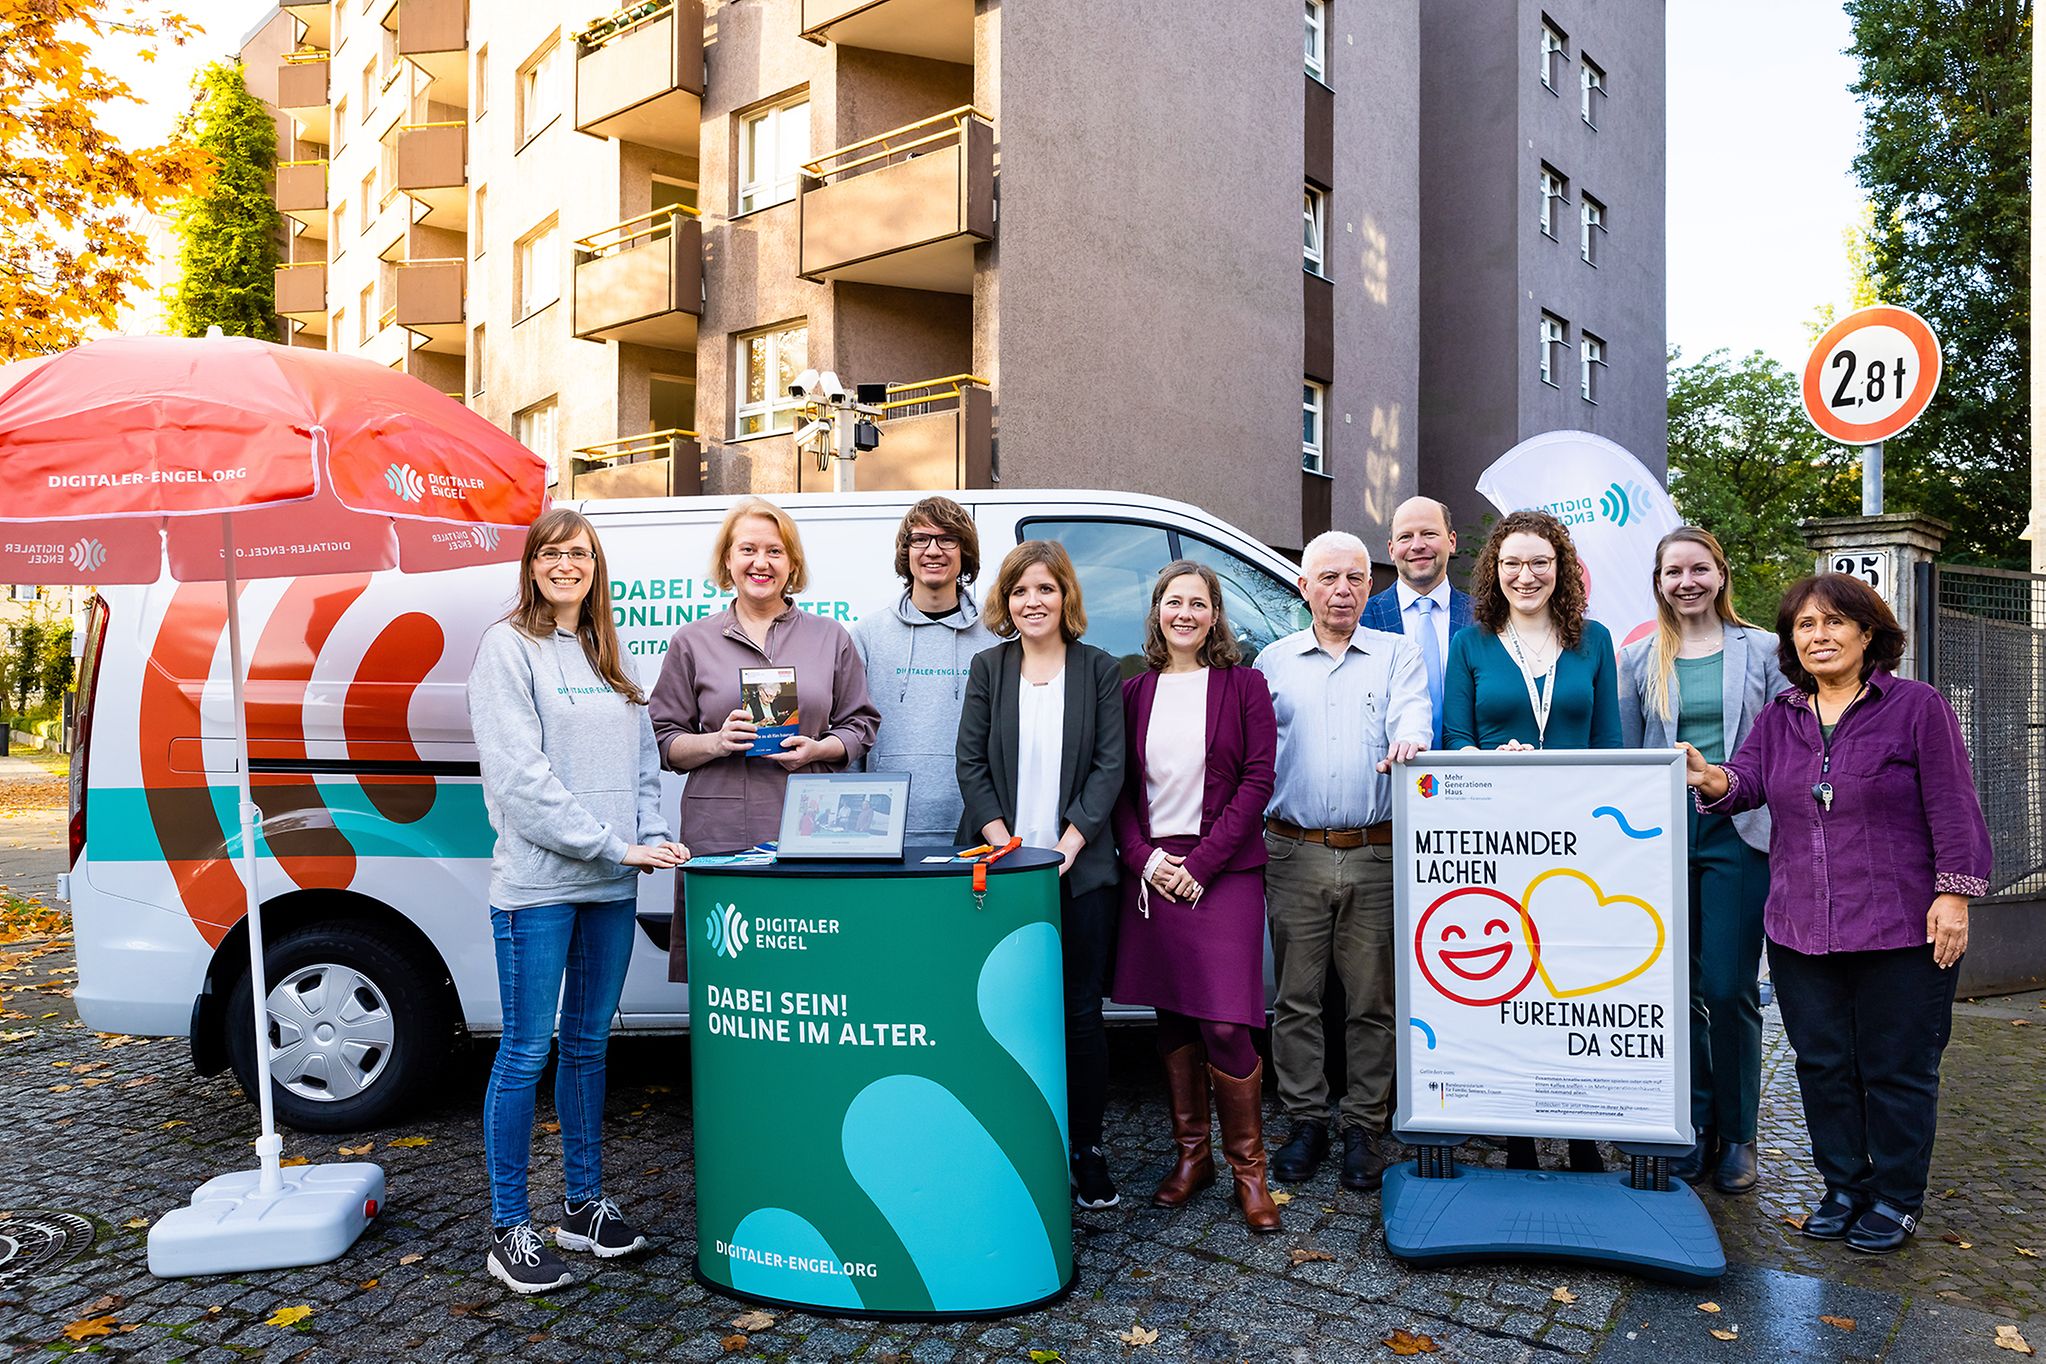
[(1118, 561)]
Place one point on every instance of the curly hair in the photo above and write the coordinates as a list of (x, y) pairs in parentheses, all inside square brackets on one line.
[(1566, 603), (1219, 649), (1844, 596)]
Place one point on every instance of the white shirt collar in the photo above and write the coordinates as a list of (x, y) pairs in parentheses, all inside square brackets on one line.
[(1440, 596)]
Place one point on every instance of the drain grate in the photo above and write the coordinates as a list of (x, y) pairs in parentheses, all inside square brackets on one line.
[(36, 1242)]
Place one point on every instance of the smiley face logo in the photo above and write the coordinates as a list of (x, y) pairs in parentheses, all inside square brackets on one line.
[(1477, 946)]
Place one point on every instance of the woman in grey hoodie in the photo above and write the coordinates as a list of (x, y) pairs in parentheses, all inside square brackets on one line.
[(572, 783)]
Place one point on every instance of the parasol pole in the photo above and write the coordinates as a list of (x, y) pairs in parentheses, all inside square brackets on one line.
[(269, 1146)]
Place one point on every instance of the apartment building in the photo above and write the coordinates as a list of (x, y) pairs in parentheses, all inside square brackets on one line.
[(1061, 233), (1543, 252)]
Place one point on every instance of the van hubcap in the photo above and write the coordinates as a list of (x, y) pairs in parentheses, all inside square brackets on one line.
[(330, 1032)]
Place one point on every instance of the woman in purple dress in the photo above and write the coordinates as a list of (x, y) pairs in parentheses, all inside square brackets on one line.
[(1190, 829)]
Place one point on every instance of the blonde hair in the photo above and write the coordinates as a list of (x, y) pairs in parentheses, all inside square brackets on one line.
[(534, 615), (785, 526), (1669, 636), (1052, 554)]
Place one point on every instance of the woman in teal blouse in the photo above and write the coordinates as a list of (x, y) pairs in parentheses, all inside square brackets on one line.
[(1533, 672)]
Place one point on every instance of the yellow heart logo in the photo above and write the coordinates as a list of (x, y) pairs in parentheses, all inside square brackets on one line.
[(1581, 945)]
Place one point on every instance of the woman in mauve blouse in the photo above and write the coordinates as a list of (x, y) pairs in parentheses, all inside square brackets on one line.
[(1876, 843)]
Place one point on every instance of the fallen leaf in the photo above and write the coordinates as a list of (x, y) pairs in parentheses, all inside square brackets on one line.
[(550, 1127), (413, 1141), (1772, 1150), (1841, 1323), (1794, 1220), (1726, 1335), (1954, 1240), (1708, 1307), (179, 1122), (88, 1327), (536, 1337), (1309, 1254), (2028, 1254), (733, 1344), (2007, 1338), (2021, 1022), (361, 1150), (411, 1259), (1140, 1273), (753, 1321), (1404, 1342), (138, 1223), (1046, 1357), (213, 1311), (290, 1161), (288, 1316), (368, 1284), (1138, 1334), (1281, 1197), (469, 1309), (1562, 1294), (107, 1303), (65, 1089)]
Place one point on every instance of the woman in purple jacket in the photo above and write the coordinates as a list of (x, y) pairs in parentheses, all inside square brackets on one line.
[(1189, 828), (1876, 843)]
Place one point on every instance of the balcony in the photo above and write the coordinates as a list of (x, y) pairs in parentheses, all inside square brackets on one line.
[(433, 169), (657, 464), (302, 93), (639, 75), (939, 29), (434, 36), (642, 280), (936, 435), (427, 301), (302, 196), (316, 17), (301, 291), (905, 208)]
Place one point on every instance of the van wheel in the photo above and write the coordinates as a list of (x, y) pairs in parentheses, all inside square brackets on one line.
[(357, 1028)]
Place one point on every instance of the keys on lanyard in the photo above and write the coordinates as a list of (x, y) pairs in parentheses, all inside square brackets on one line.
[(1823, 794)]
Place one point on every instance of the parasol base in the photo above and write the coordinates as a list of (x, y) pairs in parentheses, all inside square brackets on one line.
[(230, 1227)]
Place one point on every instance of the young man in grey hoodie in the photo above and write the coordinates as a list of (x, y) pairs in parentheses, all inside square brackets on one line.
[(917, 658)]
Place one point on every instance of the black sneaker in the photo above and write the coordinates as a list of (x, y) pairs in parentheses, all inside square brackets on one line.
[(599, 1228), (1092, 1188), (521, 1261)]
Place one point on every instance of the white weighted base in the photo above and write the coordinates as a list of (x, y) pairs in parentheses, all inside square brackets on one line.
[(230, 1227)]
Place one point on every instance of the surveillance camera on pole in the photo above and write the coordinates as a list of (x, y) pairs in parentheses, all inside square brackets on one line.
[(838, 422)]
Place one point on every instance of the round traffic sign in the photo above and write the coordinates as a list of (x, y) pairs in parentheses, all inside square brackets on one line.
[(1871, 375)]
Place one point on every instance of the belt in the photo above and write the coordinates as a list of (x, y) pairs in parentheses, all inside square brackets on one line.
[(1378, 835)]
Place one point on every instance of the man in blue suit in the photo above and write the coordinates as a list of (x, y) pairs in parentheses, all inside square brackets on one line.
[(1422, 605)]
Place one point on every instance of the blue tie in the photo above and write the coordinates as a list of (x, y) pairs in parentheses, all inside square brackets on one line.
[(1431, 658)]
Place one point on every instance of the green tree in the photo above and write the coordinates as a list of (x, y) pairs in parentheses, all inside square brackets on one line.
[(227, 235), (1746, 465), (54, 664), (1946, 95), (28, 649)]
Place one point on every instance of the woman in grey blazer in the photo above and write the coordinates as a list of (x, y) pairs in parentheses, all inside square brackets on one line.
[(1703, 677), (1041, 756)]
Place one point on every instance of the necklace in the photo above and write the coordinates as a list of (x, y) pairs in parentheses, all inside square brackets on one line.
[(1539, 657)]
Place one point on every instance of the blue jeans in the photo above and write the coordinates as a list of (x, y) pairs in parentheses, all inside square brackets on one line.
[(574, 955)]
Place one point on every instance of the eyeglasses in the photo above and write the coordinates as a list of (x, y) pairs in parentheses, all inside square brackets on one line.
[(551, 555), (926, 541), (1541, 568)]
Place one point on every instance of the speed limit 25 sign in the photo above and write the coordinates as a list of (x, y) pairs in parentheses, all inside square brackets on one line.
[(1871, 375)]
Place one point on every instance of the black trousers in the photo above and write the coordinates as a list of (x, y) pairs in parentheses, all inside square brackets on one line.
[(1086, 939), (1869, 1028)]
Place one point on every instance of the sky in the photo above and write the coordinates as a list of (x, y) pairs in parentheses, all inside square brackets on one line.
[(1762, 132)]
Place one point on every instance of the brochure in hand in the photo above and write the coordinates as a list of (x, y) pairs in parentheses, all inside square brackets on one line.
[(768, 696)]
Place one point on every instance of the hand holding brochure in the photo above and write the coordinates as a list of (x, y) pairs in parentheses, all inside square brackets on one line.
[(768, 696)]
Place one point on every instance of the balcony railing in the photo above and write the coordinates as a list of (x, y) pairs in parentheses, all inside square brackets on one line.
[(434, 36), (903, 208), (936, 434), (642, 280), (302, 92), (432, 167), (939, 29), (302, 194), (639, 75), (428, 301), (316, 17), (655, 464), (301, 291)]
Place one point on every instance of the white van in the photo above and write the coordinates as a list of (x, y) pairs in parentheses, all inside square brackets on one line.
[(375, 848)]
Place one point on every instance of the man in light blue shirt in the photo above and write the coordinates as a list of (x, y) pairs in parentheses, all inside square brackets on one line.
[(1351, 702)]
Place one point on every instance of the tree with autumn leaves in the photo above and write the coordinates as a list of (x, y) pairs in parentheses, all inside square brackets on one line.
[(73, 244)]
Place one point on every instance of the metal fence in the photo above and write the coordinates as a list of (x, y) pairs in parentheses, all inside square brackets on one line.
[(1987, 653)]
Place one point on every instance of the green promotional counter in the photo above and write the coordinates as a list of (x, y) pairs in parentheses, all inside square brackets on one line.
[(879, 1077)]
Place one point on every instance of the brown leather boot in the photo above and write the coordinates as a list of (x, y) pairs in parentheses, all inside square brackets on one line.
[(1186, 1081), (1240, 1103)]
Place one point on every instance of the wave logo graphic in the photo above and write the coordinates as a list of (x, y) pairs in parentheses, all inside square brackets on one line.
[(88, 555), (405, 481), (726, 931), (1426, 786), (485, 537), (1621, 502), (1620, 819)]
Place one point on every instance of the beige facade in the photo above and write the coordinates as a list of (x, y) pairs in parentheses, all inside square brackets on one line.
[(1063, 233)]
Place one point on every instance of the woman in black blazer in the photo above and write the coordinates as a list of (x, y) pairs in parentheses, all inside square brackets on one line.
[(1041, 756)]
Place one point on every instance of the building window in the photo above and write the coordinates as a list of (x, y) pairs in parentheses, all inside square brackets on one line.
[(334, 326), (369, 87), (767, 363), (537, 264), (1592, 78), (337, 224), (773, 145), (387, 55), (387, 170), (1592, 351), (1313, 427), (1555, 51), (1555, 192), (365, 211), (1591, 218), (365, 315), (476, 361), (479, 90), (340, 123), (1314, 221), (539, 91), (1551, 353), (476, 233), (1317, 38), (536, 428)]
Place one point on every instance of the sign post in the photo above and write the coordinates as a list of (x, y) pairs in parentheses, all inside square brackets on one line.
[(1869, 377), (1541, 913)]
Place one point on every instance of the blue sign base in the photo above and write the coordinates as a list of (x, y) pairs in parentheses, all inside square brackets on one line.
[(1476, 1212)]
